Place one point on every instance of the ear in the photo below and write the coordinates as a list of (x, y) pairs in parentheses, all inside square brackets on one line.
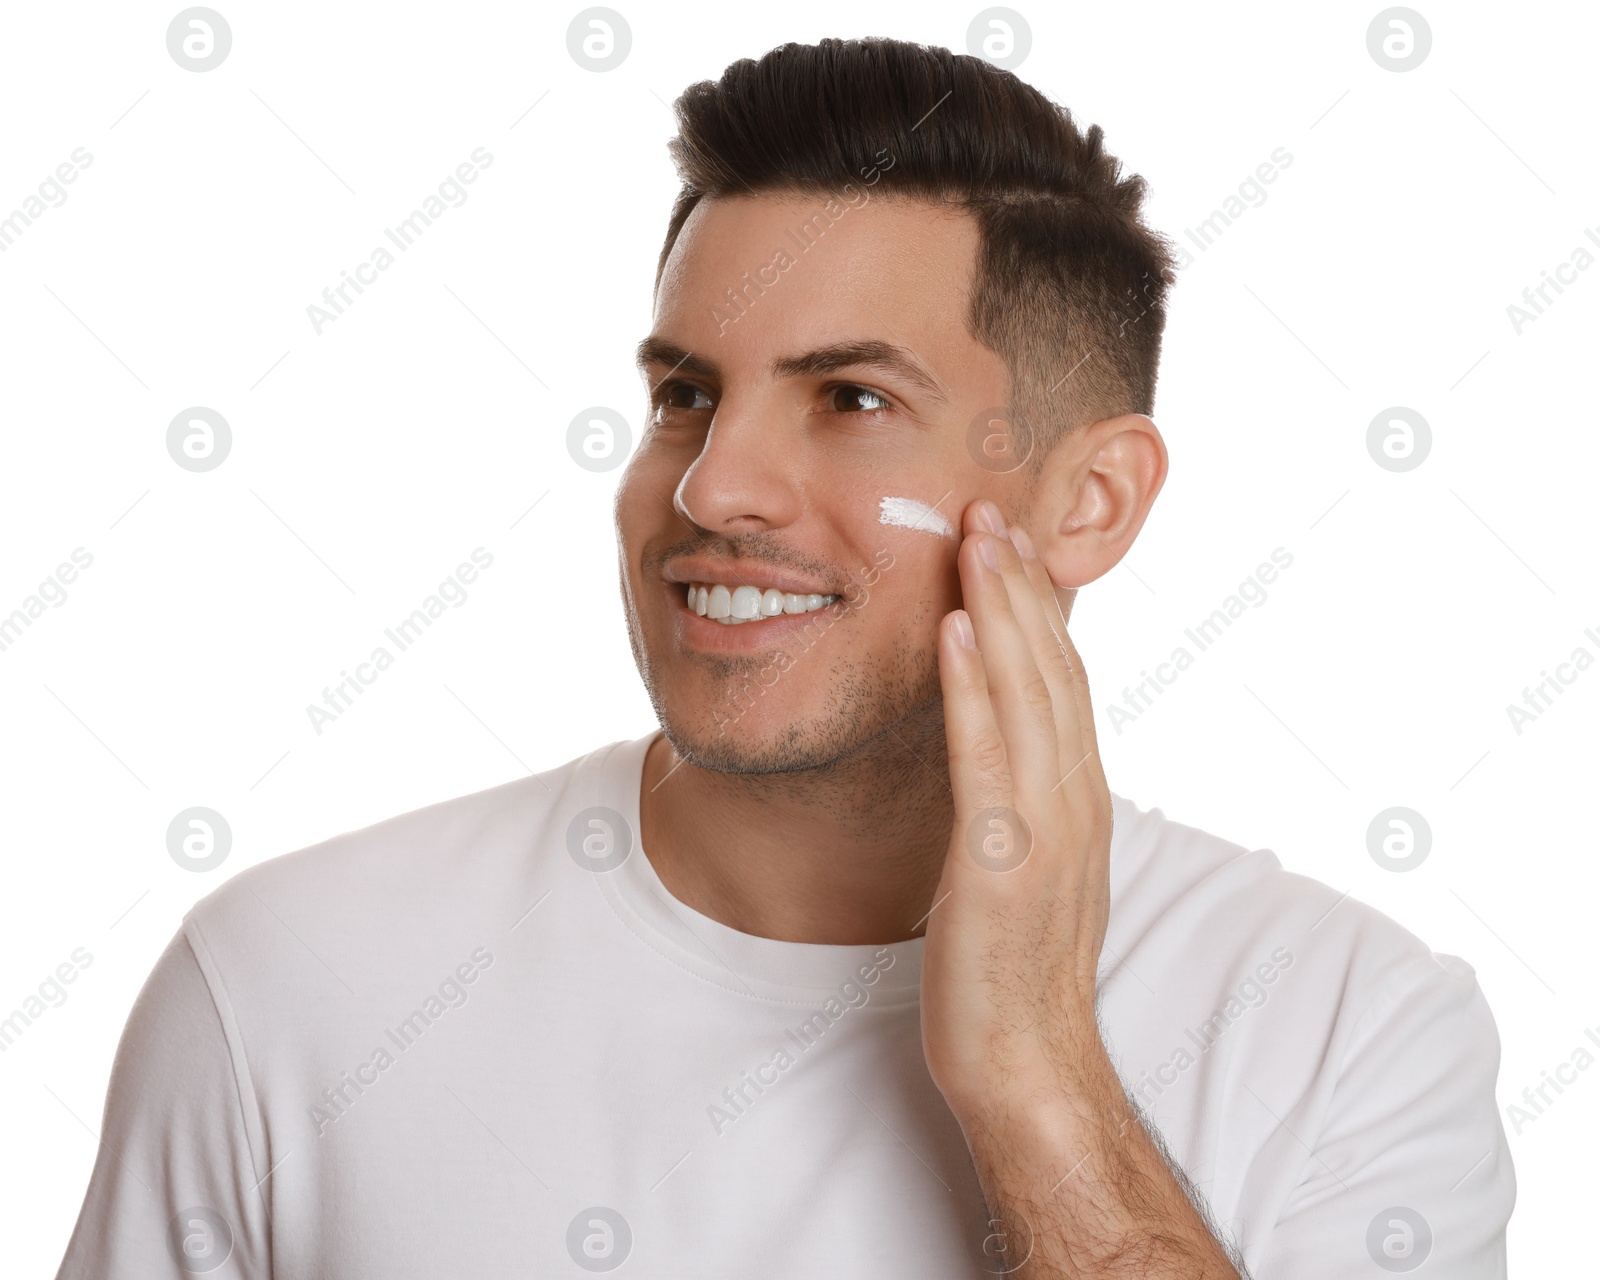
[(1093, 493)]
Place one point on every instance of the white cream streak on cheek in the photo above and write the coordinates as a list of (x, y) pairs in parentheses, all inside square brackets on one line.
[(911, 514)]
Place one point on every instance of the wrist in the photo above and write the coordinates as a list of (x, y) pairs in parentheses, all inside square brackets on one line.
[(1052, 1052), (1042, 1114)]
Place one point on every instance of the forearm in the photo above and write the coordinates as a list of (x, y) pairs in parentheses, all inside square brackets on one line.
[(1076, 1186)]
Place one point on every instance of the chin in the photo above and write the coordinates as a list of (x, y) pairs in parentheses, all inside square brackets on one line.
[(747, 743), (813, 716)]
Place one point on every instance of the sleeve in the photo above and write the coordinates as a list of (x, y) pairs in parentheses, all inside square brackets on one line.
[(174, 1190), (1411, 1165)]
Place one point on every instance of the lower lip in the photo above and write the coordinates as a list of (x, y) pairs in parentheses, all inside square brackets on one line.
[(741, 637)]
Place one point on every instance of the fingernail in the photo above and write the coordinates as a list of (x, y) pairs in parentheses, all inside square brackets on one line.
[(1023, 543), (991, 519), (986, 549), (963, 628)]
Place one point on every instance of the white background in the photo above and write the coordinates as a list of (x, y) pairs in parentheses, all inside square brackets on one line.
[(431, 417)]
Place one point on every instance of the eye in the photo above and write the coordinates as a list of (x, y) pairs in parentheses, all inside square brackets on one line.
[(872, 401), (680, 396)]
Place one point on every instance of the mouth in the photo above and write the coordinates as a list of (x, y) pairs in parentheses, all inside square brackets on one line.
[(744, 603)]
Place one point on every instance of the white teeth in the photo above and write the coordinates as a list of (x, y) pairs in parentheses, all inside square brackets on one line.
[(733, 605), (746, 603)]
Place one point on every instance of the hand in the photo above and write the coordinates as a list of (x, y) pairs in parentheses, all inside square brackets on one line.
[(1073, 1183), (1013, 942)]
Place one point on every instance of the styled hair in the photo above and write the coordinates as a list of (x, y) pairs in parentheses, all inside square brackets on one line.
[(1070, 288)]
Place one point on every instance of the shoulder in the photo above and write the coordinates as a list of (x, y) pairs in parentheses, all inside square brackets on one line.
[(362, 893), (1175, 886), (1301, 1050), (1251, 958)]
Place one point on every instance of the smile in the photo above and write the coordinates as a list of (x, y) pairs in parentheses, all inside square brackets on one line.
[(740, 604)]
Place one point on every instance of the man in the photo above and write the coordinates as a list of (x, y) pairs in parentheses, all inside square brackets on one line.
[(856, 967)]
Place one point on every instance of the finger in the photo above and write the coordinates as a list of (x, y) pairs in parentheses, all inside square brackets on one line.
[(980, 766), (1093, 766), (1024, 704), (992, 833), (1030, 594), (1039, 575), (1047, 629), (1083, 782), (1078, 750)]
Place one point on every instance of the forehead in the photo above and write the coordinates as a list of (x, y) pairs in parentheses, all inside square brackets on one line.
[(791, 268)]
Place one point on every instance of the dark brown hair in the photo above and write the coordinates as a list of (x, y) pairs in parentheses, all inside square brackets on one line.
[(1071, 284)]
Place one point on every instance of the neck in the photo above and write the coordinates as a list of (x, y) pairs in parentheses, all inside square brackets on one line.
[(849, 853)]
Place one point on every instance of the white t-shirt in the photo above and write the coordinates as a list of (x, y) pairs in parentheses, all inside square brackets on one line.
[(482, 1039)]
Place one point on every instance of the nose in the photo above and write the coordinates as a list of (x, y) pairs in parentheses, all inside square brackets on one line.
[(747, 477)]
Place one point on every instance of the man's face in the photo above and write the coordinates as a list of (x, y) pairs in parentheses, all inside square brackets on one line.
[(760, 468)]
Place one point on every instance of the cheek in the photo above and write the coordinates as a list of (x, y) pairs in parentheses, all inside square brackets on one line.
[(916, 515), (646, 489), (907, 548)]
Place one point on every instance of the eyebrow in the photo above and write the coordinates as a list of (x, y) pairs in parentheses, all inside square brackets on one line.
[(870, 353)]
